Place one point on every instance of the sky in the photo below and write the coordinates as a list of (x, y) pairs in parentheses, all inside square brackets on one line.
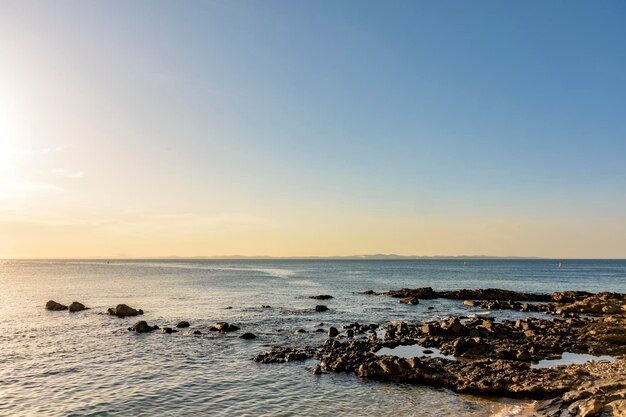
[(312, 128)]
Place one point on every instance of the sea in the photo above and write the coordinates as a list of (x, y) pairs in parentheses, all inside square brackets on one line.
[(88, 364)]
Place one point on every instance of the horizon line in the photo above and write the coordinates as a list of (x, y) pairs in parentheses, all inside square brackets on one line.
[(305, 257)]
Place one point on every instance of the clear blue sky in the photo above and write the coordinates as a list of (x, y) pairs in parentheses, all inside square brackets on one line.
[(309, 114)]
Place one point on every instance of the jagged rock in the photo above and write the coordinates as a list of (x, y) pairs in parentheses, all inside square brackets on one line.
[(281, 354), (122, 310), (54, 306)]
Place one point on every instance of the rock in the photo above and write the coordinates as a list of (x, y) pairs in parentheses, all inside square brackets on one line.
[(333, 332), (141, 327), (321, 308), (281, 354), (168, 330), (478, 294), (264, 306), (54, 306), (222, 326), (427, 351), (587, 407), (248, 336), (321, 297), (182, 325), (369, 292), (471, 303), (122, 310), (317, 370), (197, 332), (76, 306), (410, 300)]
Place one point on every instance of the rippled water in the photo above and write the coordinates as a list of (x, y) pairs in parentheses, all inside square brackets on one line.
[(56, 363)]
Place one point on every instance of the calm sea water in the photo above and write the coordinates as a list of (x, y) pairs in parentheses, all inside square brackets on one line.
[(60, 364)]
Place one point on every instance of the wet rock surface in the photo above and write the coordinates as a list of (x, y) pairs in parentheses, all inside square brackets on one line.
[(223, 327), (54, 306), (603, 394), (76, 306), (123, 310), (491, 357), (142, 327), (321, 297)]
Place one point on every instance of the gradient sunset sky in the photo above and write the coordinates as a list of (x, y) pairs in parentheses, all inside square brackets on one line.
[(293, 128)]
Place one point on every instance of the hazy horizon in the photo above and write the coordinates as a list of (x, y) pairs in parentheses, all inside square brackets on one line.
[(295, 129)]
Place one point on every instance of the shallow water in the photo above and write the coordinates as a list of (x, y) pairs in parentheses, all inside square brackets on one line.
[(569, 358), (56, 363)]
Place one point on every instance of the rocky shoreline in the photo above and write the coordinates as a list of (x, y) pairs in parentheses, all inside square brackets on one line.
[(491, 357)]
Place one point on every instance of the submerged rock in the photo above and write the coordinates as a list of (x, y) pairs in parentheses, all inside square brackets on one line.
[(321, 308), (142, 327), (222, 327), (76, 306), (182, 325), (168, 330), (321, 297), (248, 336), (54, 306), (122, 310), (410, 300)]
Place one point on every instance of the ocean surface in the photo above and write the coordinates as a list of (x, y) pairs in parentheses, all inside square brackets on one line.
[(87, 364)]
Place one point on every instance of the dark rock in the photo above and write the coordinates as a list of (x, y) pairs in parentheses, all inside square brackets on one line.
[(316, 370), (264, 306), (122, 310), (168, 330), (183, 325), (197, 332), (222, 326), (248, 336), (369, 292), (141, 327), (300, 331), (282, 354), (321, 308), (333, 332), (410, 300), (76, 306), (54, 306), (321, 297)]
